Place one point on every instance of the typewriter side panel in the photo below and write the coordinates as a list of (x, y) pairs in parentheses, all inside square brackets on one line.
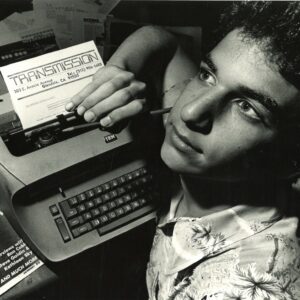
[(9, 187)]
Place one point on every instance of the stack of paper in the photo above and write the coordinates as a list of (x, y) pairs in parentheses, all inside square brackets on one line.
[(74, 21), (71, 21)]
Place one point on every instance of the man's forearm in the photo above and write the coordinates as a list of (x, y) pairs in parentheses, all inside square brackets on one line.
[(144, 66), (149, 46)]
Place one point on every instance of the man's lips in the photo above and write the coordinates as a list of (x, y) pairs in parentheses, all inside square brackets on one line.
[(182, 142)]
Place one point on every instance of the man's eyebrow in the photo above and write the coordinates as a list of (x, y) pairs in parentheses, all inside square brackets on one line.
[(268, 102), (207, 60)]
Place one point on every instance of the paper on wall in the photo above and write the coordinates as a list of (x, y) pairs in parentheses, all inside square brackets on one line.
[(67, 16), (88, 27), (7, 36), (15, 22), (41, 86), (105, 6), (28, 17)]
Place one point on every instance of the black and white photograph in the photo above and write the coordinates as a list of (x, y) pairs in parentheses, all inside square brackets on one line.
[(149, 150)]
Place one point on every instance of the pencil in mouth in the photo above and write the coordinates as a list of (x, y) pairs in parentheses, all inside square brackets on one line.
[(160, 111)]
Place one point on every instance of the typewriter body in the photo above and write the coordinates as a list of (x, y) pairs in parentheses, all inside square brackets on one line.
[(65, 194)]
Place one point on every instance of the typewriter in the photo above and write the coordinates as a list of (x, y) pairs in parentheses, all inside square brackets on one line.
[(67, 192)]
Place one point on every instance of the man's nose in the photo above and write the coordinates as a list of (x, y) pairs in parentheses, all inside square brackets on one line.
[(200, 112)]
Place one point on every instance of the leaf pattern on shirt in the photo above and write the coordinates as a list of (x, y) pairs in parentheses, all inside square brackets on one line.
[(218, 258), (179, 288), (203, 239), (249, 283), (234, 294)]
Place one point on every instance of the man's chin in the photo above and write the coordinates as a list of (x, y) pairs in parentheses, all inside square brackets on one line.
[(195, 171), (178, 165)]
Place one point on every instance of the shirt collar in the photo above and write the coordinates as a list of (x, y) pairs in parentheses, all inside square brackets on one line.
[(194, 239)]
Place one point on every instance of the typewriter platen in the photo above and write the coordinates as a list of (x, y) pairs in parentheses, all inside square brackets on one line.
[(67, 192)]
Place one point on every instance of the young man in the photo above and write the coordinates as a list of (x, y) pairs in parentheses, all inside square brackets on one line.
[(232, 139)]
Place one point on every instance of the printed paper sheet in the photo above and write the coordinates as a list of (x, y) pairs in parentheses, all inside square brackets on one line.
[(41, 86)]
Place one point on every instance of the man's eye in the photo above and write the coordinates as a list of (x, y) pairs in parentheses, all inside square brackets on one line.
[(247, 109), (206, 76)]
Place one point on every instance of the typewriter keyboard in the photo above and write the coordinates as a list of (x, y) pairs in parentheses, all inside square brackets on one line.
[(107, 206)]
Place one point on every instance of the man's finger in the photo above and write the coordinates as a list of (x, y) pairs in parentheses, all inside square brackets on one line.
[(102, 76), (119, 98), (131, 109)]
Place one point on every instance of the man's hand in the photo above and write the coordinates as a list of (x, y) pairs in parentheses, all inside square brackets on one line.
[(112, 96)]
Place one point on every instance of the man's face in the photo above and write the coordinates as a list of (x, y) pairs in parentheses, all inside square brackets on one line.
[(228, 114)]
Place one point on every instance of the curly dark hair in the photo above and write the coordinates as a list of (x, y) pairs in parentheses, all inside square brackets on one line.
[(273, 25)]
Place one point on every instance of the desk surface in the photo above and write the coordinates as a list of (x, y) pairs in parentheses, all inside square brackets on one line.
[(35, 283)]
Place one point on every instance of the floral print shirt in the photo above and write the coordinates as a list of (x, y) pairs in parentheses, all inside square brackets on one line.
[(242, 253)]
